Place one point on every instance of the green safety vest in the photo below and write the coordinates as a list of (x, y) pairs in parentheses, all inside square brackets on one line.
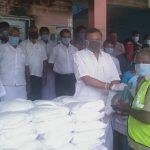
[(137, 130)]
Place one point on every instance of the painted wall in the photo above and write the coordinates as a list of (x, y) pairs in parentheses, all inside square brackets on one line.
[(45, 12)]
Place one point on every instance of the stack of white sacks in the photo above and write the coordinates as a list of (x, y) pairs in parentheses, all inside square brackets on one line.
[(16, 130), (62, 124), (52, 123), (89, 127)]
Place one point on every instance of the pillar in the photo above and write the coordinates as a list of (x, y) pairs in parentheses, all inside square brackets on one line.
[(97, 15)]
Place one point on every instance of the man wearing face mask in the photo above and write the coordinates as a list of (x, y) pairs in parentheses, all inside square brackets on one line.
[(79, 40), (61, 60), (146, 41), (95, 72), (13, 67), (136, 38), (139, 111), (108, 48), (37, 60), (48, 90), (118, 47)]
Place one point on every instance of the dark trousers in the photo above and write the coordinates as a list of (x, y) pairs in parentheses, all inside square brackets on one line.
[(120, 141), (36, 87), (65, 84)]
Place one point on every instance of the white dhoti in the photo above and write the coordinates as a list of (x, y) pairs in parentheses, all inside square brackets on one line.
[(48, 90), (109, 136), (13, 92)]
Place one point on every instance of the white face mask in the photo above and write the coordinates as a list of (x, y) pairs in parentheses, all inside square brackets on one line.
[(147, 42), (109, 50), (135, 38)]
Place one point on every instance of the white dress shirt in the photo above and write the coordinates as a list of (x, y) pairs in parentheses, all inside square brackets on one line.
[(36, 54), (62, 58), (103, 69), (116, 62), (12, 65)]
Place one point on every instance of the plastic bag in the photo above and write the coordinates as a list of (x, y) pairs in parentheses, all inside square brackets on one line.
[(124, 95)]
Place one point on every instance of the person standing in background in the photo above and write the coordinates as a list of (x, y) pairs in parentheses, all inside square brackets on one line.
[(61, 60), (136, 38), (146, 41), (37, 60), (79, 40), (118, 47), (4, 32), (14, 69), (108, 48), (126, 58), (48, 90)]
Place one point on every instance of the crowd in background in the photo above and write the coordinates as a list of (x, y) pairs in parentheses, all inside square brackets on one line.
[(38, 68)]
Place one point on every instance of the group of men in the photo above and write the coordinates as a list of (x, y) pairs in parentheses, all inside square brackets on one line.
[(38, 68)]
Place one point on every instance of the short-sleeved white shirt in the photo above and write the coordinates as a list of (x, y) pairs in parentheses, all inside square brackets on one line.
[(12, 65), (103, 69), (49, 47), (116, 62), (62, 58), (36, 54)]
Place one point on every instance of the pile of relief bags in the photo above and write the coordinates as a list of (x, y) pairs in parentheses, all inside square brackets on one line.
[(62, 124)]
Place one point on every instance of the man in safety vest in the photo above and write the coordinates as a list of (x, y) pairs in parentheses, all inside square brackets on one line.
[(139, 112)]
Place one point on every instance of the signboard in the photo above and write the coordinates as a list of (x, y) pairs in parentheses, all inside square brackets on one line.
[(20, 22)]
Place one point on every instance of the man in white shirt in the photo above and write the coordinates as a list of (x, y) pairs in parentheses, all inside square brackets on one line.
[(118, 47), (95, 72), (36, 58), (108, 48), (48, 89), (62, 62), (13, 67)]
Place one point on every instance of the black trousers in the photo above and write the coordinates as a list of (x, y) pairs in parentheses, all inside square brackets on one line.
[(65, 84), (36, 87)]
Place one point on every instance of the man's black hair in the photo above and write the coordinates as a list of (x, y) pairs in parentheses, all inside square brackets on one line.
[(4, 25), (64, 31), (93, 30), (44, 29)]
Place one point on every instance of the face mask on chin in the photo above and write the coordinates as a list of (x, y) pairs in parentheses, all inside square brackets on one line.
[(93, 45), (33, 35)]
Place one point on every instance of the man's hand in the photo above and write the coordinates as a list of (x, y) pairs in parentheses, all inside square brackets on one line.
[(121, 106)]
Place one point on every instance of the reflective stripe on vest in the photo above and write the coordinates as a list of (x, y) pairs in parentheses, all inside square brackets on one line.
[(137, 130)]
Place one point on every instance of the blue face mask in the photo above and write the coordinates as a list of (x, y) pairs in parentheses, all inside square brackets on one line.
[(142, 69), (109, 50), (13, 40), (44, 37), (65, 41)]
